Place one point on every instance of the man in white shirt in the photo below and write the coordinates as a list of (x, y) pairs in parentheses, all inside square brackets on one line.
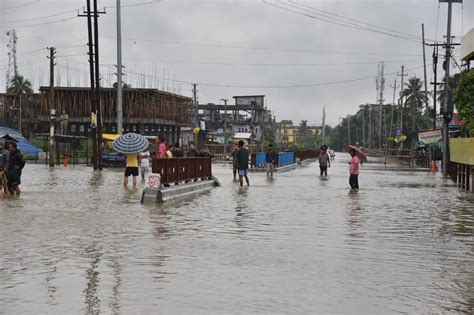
[(144, 163)]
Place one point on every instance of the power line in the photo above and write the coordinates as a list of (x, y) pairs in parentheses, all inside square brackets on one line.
[(64, 13), (261, 48), (344, 24), (261, 64), (357, 21), (40, 24), (278, 86), (20, 5)]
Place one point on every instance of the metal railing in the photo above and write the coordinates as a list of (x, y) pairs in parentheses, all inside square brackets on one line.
[(286, 158), (178, 170), (307, 154)]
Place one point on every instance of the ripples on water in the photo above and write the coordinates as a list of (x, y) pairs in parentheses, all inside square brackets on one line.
[(77, 242)]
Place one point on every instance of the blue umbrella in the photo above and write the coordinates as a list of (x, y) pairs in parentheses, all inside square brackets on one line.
[(130, 143)]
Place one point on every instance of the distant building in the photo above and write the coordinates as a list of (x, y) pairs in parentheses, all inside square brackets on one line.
[(287, 133), (248, 114)]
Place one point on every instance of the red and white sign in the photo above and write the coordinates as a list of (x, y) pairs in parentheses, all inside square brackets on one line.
[(153, 181)]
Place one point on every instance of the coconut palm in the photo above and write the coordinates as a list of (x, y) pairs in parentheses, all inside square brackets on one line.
[(19, 85), (453, 83), (415, 98)]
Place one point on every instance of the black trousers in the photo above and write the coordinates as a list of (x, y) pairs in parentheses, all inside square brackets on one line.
[(354, 181)]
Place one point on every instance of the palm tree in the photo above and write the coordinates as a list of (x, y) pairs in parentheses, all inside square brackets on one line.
[(415, 98), (453, 83), (19, 85), (303, 129)]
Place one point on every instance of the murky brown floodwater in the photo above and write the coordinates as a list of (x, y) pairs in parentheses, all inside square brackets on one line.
[(77, 242)]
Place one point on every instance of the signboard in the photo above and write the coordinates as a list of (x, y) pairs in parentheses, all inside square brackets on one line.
[(398, 132), (452, 1), (153, 181), (461, 150), (430, 137)]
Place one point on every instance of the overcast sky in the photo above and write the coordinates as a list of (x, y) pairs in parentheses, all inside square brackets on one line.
[(212, 43)]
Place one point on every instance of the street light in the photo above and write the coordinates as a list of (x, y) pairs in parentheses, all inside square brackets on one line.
[(225, 124)]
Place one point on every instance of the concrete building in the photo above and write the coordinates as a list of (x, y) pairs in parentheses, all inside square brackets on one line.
[(248, 114), (287, 132), (149, 112)]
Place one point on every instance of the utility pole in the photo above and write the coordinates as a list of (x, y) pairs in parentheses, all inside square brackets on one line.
[(370, 142), (435, 84), (393, 105), (363, 128), (400, 120), (119, 72), (97, 87), (225, 124), (380, 89), (96, 110), (447, 111), (196, 114), (52, 109), (424, 68), (324, 125), (349, 129)]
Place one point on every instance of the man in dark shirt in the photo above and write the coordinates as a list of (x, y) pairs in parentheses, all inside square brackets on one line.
[(192, 150), (177, 152), (15, 165), (243, 163), (271, 159)]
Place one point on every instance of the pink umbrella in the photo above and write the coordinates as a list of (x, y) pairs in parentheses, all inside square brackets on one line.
[(360, 154)]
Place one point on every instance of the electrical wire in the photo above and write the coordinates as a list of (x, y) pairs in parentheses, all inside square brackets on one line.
[(20, 5), (283, 85), (354, 20), (259, 48), (259, 64), (344, 24)]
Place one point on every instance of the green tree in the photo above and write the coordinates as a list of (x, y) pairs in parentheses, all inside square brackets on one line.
[(19, 85), (415, 99), (453, 83), (464, 99), (303, 129)]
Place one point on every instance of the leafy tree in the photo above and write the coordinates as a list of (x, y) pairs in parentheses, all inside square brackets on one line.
[(19, 85), (415, 99), (464, 99)]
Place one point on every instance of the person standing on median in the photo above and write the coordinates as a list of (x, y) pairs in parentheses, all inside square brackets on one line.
[(271, 159), (324, 162), (354, 170), (243, 163), (144, 164)]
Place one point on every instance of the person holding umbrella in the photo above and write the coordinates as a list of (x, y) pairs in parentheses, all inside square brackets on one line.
[(354, 170), (131, 144)]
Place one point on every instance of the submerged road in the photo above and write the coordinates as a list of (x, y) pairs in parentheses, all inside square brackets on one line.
[(77, 242)]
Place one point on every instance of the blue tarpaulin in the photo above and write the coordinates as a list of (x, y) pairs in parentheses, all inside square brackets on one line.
[(24, 145)]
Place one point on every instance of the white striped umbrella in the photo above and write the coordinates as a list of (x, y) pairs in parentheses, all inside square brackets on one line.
[(130, 143)]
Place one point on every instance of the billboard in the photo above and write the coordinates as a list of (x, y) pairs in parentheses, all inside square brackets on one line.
[(430, 137)]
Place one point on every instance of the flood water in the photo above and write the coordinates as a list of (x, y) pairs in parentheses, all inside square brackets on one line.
[(79, 243)]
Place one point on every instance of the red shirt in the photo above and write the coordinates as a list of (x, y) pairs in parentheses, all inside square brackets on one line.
[(161, 152)]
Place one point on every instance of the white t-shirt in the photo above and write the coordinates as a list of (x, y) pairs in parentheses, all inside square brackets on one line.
[(146, 161)]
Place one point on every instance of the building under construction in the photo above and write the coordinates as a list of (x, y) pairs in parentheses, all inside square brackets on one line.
[(146, 111)]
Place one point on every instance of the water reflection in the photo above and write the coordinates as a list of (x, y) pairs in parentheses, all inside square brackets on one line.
[(92, 300), (403, 243)]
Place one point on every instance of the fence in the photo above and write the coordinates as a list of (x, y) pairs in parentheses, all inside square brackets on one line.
[(286, 158), (177, 170), (307, 154)]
